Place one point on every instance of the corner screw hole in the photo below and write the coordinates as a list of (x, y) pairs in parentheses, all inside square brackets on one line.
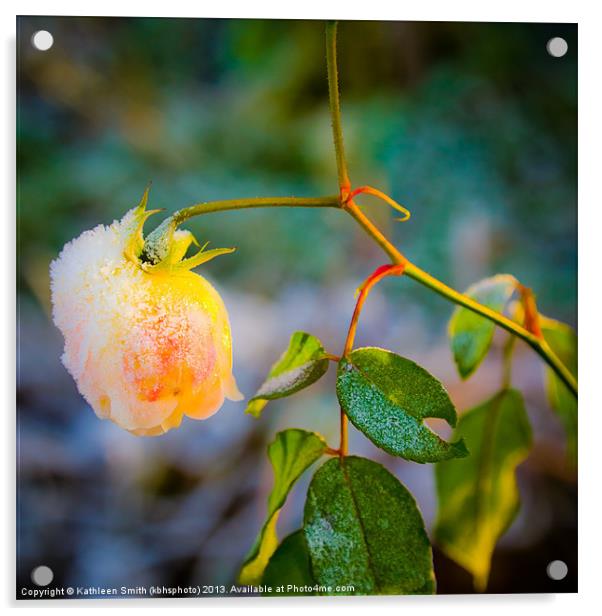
[(42, 575), (557, 570), (42, 40), (557, 47)]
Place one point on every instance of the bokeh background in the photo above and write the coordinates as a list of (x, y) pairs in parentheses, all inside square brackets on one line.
[(471, 125)]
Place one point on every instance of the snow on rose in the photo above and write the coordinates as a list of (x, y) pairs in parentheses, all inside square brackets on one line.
[(145, 343)]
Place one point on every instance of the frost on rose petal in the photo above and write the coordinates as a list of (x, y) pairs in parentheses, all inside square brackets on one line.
[(144, 348)]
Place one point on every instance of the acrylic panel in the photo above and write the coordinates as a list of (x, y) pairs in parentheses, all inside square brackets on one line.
[(297, 308)]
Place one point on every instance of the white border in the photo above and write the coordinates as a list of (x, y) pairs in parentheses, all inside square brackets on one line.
[(425, 10), (590, 203)]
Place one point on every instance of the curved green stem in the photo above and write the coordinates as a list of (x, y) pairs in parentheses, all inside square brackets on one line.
[(242, 204), (413, 271), (538, 345)]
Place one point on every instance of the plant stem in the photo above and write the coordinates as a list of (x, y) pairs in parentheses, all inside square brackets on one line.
[(241, 204), (335, 107), (374, 278), (374, 232), (538, 345), (344, 422)]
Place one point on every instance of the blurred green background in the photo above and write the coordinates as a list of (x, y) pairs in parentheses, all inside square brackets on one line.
[(472, 126)]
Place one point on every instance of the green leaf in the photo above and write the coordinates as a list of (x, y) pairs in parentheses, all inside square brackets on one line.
[(387, 397), (563, 341), (303, 363), (292, 452), (363, 528), (478, 496), (471, 334), (290, 567)]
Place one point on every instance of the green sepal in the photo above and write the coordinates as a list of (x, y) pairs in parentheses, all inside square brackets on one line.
[(135, 242), (166, 247)]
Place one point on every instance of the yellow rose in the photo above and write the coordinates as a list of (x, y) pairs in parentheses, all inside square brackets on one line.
[(146, 344)]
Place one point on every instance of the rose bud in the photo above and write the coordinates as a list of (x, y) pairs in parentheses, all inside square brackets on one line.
[(146, 342)]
